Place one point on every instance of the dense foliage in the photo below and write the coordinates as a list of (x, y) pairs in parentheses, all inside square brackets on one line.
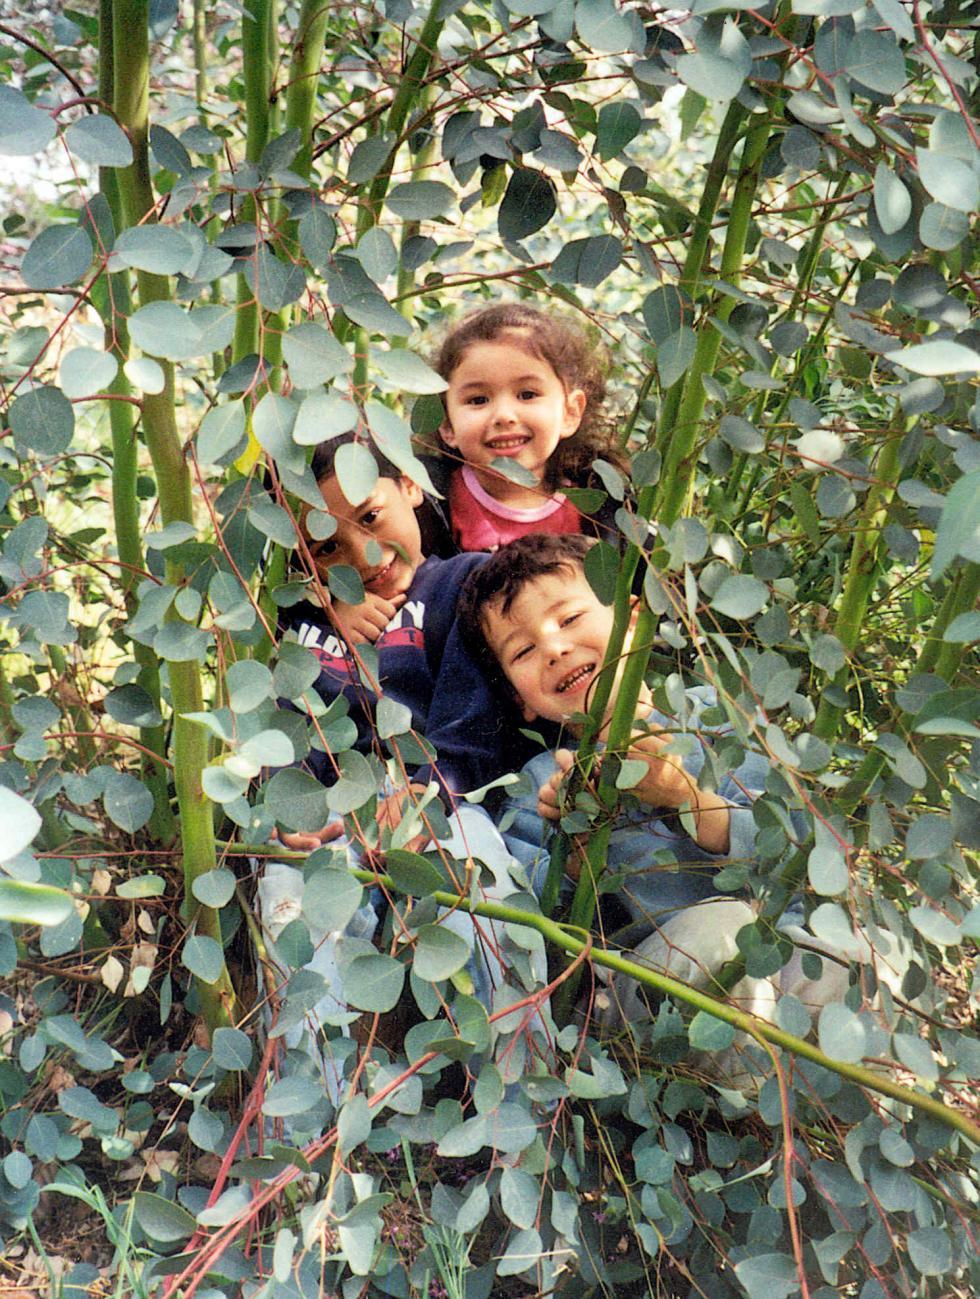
[(264, 217)]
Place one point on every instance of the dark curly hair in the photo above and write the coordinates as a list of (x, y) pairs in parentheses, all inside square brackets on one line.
[(575, 359)]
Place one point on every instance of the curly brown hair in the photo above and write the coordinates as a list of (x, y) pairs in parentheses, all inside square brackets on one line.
[(575, 359)]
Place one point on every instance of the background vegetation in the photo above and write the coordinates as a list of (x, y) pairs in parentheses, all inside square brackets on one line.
[(263, 217)]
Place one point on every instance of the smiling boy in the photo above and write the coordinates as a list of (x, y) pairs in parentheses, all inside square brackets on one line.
[(409, 612), (544, 633)]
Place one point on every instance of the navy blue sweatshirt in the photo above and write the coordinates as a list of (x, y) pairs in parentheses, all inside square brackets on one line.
[(423, 665)]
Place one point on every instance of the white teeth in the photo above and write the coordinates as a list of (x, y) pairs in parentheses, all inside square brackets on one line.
[(575, 677)]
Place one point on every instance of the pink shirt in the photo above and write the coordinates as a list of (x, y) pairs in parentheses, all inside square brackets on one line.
[(481, 523)]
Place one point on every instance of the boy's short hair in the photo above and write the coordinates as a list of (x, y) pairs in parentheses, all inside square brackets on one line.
[(501, 580)]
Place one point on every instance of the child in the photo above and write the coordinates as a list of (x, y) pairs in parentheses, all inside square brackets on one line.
[(421, 663), (545, 633), (409, 611), (525, 388)]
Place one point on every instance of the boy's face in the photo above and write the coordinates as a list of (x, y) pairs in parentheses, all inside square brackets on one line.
[(551, 643), (368, 533)]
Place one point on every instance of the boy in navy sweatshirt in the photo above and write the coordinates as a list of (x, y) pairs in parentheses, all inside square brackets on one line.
[(409, 613)]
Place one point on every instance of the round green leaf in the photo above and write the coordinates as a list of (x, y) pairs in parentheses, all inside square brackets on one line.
[(876, 61), (937, 356), (323, 415), (601, 26), (203, 957), (58, 256), (768, 1276), (528, 204), (893, 202), (17, 1169), (297, 800), (86, 370), (943, 228), (721, 64), (222, 428), (951, 181), (162, 1219), (439, 953), (356, 470), (19, 823), (331, 896), (24, 129), (43, 420), (710, 1034), (403, 371), (618, 123), (167, 330), (215, 887), (357, 784), (313, 355), (248, 683), (100, 141), (414, 873), (146, 374), (34, 904), (374, 982), (740, 596), (232, 1049), (602, 570), (930, 1251), (127, 801), (420, 200), (317, 235), (841, 1034), (160, 249)]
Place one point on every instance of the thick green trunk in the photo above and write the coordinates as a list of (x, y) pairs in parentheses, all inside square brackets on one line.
[(132, 65)]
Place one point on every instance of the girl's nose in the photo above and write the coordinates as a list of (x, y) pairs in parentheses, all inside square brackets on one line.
[(503, 411)]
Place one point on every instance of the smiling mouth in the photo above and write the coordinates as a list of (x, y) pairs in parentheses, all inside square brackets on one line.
[(512, 443), (576, 680), (380, 577)]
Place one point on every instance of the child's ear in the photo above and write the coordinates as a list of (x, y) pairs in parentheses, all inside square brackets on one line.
[(527, 713), (575, 403), (412, 490), (447, 434)]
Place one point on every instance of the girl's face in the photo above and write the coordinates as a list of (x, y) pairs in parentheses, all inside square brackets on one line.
[(505, 403), (379, 537)]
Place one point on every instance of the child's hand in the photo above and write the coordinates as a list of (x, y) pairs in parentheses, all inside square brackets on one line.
[(551, 795), (363, 623), (668, 784), (306, 841), (391, 810)]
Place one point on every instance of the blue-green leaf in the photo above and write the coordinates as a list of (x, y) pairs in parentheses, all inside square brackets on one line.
[(58, 256), (203, 957)]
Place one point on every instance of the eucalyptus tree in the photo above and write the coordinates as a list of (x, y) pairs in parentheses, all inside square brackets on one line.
[(264, 216)]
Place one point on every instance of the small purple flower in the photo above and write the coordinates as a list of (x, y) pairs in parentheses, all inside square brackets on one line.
[(599, 1215)]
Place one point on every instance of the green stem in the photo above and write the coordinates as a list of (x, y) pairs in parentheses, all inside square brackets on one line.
[(303, 76), (697, 247), (257, 64), (571, 943), (115, 307), (198, 34), (412, 85), (862, 571), (937, 656), (681, 434), (131, 96)]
